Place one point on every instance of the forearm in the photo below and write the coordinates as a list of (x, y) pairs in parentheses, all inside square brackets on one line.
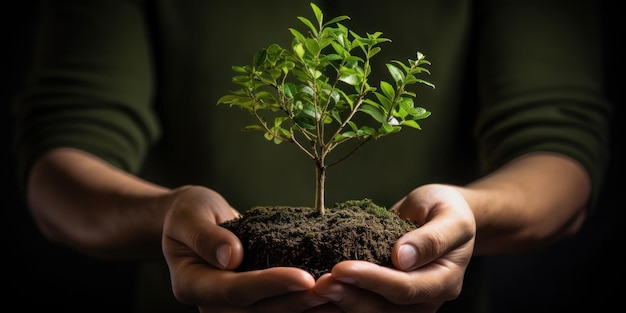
[(528, 203), (82, 202)]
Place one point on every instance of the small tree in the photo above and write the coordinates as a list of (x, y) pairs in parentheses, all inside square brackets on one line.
[(309, 95)]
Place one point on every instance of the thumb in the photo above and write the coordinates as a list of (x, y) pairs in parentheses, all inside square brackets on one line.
[(223, 249)]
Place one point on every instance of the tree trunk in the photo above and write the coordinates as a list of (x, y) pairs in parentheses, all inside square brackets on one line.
[(320, 179)]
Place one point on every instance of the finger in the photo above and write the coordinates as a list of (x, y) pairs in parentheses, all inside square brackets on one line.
[(212, 243), (328, 307), (436, 282), (205, 286), (445, 225), (303, 301), (193, 221), (396, 206), (295, 302), (352, 299), (252, 286), (429, 243)]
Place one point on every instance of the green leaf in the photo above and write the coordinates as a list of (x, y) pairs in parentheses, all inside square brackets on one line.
[(386, 102), (387, 89), (315, 73), (227, 99), (373, 52), (240, 79), (335, 115), (269, 136), (411, 123), (427, 83), (396, 73), (406, 103), (309, 109), (298, 37), (339, 49), (421, 114), (400, 112), (418, 69), (336, 20), (254, 127), (344, 135), (374, 112), (348, 98), (239, 69), (298, 49), (265, 95), (405, 68), (387, 129), (313, 46), (410, 79), (351, 79), (308, 23), (318, 13), (352, 125), (259, 58), (332, 57), (366, 131), (289, 90)]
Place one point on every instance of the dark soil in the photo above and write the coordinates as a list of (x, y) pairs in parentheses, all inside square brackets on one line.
[(301, 237)]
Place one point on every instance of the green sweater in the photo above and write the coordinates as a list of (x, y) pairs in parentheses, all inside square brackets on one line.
[(136, 83)]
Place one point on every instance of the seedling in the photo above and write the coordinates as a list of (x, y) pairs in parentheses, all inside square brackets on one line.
[(310, 94)]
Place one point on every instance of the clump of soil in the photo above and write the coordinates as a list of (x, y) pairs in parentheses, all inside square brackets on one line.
[(301, 237)]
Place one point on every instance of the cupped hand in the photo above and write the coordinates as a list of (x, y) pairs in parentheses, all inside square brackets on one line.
[(202, 257), (429, 262)]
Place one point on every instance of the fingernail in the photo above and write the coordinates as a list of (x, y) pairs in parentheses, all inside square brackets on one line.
[(407, 257), (223, 255)]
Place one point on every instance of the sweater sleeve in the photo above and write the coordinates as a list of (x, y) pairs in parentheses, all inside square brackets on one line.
[(90, 84), (541, 84)]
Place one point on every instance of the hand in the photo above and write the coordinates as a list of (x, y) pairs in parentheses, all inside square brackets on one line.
[(429, 261), (202, 255)]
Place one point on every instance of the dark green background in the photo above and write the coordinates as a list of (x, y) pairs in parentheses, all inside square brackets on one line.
[(577, 274)]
